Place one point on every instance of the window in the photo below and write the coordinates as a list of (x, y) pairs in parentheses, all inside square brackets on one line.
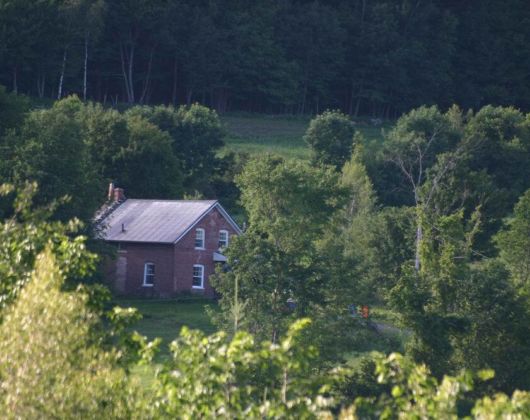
[(223, 238), (199, 239), (198, 277), (149, 275)]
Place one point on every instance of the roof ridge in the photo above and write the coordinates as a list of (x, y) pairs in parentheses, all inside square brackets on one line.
[(106, 210), (174, 201)]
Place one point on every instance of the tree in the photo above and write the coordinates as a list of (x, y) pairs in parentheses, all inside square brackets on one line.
[(69, 375), (12, 110), (514, 244), (196, 136), (462, 315), (93, 26), (49, 149), (330, 136), (305, 31), (499, 144), (106, 134), (420, 139), (241, 377), (498, 327), (356, 181), (25, 232), (148, 166), (136, 32), (426, 298), (289, 204), (414, 393), (27, 25), (347, 244)]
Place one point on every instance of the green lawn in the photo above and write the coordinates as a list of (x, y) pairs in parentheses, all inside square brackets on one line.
[(283, 135), (165, 318)]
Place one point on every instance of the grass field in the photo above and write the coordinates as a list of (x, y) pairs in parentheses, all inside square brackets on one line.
[(165, 318), (282, 135)]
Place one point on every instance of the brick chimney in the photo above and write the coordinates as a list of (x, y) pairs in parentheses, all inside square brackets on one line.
[(119, 194), (116, 194)]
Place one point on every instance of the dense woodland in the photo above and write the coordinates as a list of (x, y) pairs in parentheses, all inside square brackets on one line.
[(434, 225), (365, 57), (430, 222)]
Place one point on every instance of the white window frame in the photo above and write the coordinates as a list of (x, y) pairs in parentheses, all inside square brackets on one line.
[(145, 284), (203, 239), (202, 276), (225, 232)]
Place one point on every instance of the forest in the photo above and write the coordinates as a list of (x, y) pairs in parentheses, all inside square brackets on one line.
[(364, 57), (412, 196)]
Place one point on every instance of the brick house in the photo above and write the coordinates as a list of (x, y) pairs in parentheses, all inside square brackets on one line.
[(164, 247)]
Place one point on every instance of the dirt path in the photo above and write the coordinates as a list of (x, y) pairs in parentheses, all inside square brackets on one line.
[(387, 328)]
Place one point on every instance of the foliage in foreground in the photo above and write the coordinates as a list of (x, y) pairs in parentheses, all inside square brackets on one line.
[(51, 362), (212, 376), (26, 232), (415, 394)]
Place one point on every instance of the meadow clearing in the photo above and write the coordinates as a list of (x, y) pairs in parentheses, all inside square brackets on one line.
[(283, 135)]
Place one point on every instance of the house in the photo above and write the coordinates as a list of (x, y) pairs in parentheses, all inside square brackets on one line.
[(164, 247)]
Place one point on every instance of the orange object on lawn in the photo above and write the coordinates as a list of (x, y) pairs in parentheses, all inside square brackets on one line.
[(365, 311)]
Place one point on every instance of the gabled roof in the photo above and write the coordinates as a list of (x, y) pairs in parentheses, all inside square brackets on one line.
[(156, 221)]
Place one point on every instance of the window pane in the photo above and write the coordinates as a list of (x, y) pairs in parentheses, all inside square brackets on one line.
[(223, 238), (199, 238), (149, 274), (197, 276)]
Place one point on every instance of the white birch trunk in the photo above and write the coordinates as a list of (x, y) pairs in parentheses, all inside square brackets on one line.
[(85, 66), (419, 238), (175, 74), (148, 77), (130, 78), (61, 78), (41, 84)]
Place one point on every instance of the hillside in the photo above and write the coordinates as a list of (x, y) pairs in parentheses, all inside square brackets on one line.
[(283, 135)]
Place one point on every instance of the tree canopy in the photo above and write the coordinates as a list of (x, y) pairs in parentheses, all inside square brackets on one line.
[(379, 58)]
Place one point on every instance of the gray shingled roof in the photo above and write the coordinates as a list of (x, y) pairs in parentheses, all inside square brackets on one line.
[(158, 221)]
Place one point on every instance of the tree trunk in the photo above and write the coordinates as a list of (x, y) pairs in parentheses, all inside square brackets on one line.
[(304, 99), (130, 70), (61, 78), (41, 80), (175, 75), (85, 66), (127, 60), (148, 76), (419, 238), (15, 80)]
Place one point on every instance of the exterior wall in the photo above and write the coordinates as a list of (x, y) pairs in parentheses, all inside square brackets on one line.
[(173, 263), (136, 256), (186, 256)]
